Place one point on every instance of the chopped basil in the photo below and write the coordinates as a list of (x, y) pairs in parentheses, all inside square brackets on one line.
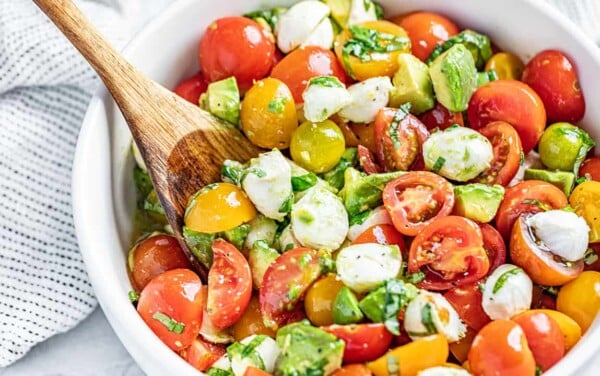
[(303, 182), (326, 262), (400, 115), (504, 277), (259, 172), (326, 81), (551, 290), (335, 176), (439, 163), (393, 365), (522, 159), (288, 247), (294, 293), (582, 179), (169, 323), (286, 207), (359, 218), (427, 318), (277, 105), (481, 287), (538, 371), (537, 203), (133, 296), (397, 296), (233, 171), (415, 278), (271, 16), (378, 10), (304, 260)]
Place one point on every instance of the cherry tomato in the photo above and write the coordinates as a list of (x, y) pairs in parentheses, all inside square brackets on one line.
[(236, 46), (399, 139), (202, 354), (353, 370), (285, 283), (171, 306), (542, 299), (251, 322), (317, 147), (416, 199), (590, 168), (441, 118), (499, 349), (544, 337), (302, 64), (570, 329), (552, 75), (585, 199), (229, 285), (527, 197), (466, 300), (153, 256), (319, 299), (364, 342), (367, 161), (450, 253), (506, 65), (192, 88), (365, 134), (580, 299), (426, 30), (218, 207), (268, 115), (349, 136), (382, 234), (512, 102), (507, 153), (460, 349), (494, 246), (253, 371)]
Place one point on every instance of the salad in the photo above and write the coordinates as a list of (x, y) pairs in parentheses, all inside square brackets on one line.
[(426, 203)]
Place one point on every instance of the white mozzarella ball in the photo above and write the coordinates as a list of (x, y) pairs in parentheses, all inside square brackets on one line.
[(377, 216), (361, 11), (564, 233), (297, 24), (362, 267), (261, 228), (287, 240), (267, 350), (368, 97), (430, 313), (507, 292), (323, 97), (322, 35)]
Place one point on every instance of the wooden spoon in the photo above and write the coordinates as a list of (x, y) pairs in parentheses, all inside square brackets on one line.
[(182, 145)]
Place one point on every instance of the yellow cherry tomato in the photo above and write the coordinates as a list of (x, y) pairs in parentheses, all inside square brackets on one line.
[(268, 116), (580, 298), (413, 357), (318, 302), (372, 64), (506, 65), (569, 327), (218, 207), (317, 147), (251, 322), (585, 199)]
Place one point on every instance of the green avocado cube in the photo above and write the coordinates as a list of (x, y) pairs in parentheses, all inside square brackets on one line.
[(561, 179), (412, 84), (223, 100), (478, 202), (345, 307)]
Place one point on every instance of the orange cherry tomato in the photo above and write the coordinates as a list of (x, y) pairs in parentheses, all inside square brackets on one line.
[(500, 349), (460, 349), (544, 337), (319, 299), (192, 88), (353, 370), (441, 118), (363, 342), (570, 329), (426, 30), (202, 354), (382, 234), (580, 299), (253, 371), (590, 168), (251, 322), (494, 246), (466, 300)]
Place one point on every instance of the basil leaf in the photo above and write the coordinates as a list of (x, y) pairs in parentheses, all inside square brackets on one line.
[(400, 115), (169, 323), (504, 277), (303, 182)]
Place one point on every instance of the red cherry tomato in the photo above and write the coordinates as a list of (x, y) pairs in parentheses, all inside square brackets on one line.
[(467, 302), (426, 30), (366, 161), (171, 305), (512, 102), (253, 371), (450, 252), (201, 354), (591, 168), (527, 197), (285, 282), (500, 349), (544, 337), (507, 153), (229, 285), (441, 118), (399, 139), (416, 199), (192, 88), (364, 342), (236, 46), (297, 68), (382, 234), (494, 246), (353, 370), (552, 75)]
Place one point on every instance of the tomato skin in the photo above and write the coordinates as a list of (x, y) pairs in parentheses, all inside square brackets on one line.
[(229, 285), (175, 293), (499, 349), (570, 329), (426, 30), (440, 117), (590, 168), (364, 342), (554, 78), (202, 354), (192, 88), (544, 337), (236, 46), (580, 299), (494, 246), (513, 102), (302, 64), (251, 322), (460, 349), (367, 161), (466, 300), (253, 371), (382, 234), (365, 134), (353, 370)]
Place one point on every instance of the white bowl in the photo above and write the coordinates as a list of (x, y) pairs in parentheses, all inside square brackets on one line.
[(103, 194)]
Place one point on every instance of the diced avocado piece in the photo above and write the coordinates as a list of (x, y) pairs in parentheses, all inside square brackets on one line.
[(340, 11), (200, 244), (561, 179), (378, 303), (335, 177), (454, 78), (362, 192), (478, 202), (486, 77), (218, 372), (237, 235), (478, 44), (345, 307), (223, 100), (152, 204), (306, 350), (412, 84), (260, 257)]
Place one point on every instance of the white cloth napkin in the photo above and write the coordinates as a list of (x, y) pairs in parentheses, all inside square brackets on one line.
[(44, 90)]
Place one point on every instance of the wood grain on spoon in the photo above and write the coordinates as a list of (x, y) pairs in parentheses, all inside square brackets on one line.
[(182, 145)]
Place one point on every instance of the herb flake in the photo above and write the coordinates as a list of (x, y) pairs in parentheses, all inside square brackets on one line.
[(439, 163), (277, 105), (169, 323), (501, 281)]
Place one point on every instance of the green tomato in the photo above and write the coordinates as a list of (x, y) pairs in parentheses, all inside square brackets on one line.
[(563, 146), (317, 147)]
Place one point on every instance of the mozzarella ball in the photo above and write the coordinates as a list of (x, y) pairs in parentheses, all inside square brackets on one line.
[(362, 267), (368, 97), (321, 36), (507, 292), (323, 97), (267, 350), (430, 313), (297, 24), (564, 233)]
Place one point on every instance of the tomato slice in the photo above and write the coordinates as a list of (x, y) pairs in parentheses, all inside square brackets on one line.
[(367, 161), (544, 337), (229, 285), (494, 246), (467, 302), (507, 153), (590, 168), (364, 342), (284, 284), (441, 118), (202, 354), (399, 138), (450, 252), (417, 198), (192, 88)]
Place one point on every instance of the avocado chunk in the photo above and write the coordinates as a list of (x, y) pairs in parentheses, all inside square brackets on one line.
[(223, 100), (306, 350), (454, 78), (478, 202), (412, 84), (363, 192), (561, 179), (237, 235), (486, 77), (260, 257), (335, 177), (345, 307), (200, 244), (478, 44)]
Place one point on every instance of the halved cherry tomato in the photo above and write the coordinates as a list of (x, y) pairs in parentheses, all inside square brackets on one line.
[(544, 337), (365, 134), (506, 65), (253, 371), (319, 299), (364, 342), (192, 88), (229, 285), (466, 300), (153, 256), (202, 354), (353, 370), (507, 153), (570, 329), (426, 30), (416, 199), (171, 306), (585, 199), (500, 349), (552, 75), (236, 46), (441, 118), (494, 246), (285, 283), (590, 168), (580, 299), (527, 197), (366, 161), (302, 64), (251, 322), (450, 253), (399, 139), (382, 234), (460, 349), (513, 102)]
